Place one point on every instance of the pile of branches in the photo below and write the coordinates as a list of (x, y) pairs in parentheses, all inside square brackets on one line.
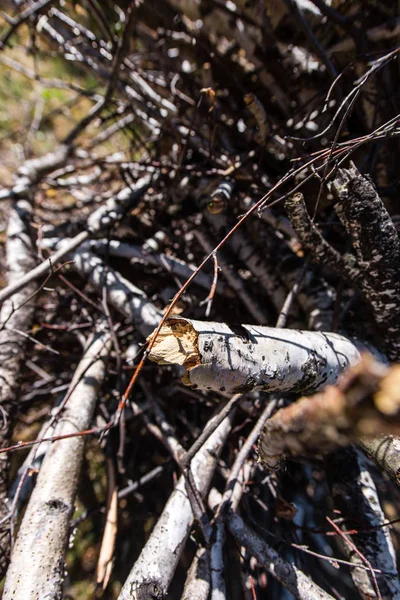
[(226, 207)]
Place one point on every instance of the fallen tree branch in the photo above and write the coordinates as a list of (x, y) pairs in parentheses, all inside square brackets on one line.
[(384, 450), (167, 263), (159, 558), (15, 315), (35, 9), (37, 562), (121, 293), (238, 359), (365, 403), (377, 248), (230, 500), (197, 585), (103, 218)]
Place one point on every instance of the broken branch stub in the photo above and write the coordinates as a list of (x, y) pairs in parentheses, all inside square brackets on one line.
[(365, 403), (240, 358)]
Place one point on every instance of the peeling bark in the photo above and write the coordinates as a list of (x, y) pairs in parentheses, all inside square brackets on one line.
[(238, 359)]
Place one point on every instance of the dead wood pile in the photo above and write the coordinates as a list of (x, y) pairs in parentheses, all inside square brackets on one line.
[(220, 196)]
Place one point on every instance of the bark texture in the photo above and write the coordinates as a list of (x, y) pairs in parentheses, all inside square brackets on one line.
[(375, 266), (197, 585), (366, 402), (384, 450), (37, 566), (16, 316), (377, 249), (238, 359), (121, 293), (102, 219)]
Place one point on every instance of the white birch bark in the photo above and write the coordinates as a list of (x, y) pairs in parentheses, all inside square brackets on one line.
[(121, 293), (37, 562), (159, 558), (197, 585), (385, 451), (133, 252), (23, 484), (104, 217), (16, 316), (166, 262), (238, 359)]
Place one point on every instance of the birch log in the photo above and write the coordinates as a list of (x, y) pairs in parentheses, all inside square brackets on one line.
[(167, 263), (238, 359), (159, 558), (122, 294), (125, 297), (137, 255), (37, 563), (16, 316), (197, 585), (377, 249), (384, 450)]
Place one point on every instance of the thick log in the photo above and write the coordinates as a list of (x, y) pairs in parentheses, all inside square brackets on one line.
[(37, 563), (15, 319), (237, 359)]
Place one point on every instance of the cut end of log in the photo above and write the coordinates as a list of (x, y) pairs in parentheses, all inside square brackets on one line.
[(176, 344)]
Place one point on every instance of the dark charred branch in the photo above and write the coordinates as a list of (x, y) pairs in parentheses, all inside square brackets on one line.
[(377, 248)]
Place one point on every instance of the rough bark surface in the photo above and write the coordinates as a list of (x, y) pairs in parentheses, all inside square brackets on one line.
[(37, 563), (377, 248), (238, 359), (16, 316), (365, 402)]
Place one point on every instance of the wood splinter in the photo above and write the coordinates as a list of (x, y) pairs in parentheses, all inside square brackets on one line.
[(240, 358)]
